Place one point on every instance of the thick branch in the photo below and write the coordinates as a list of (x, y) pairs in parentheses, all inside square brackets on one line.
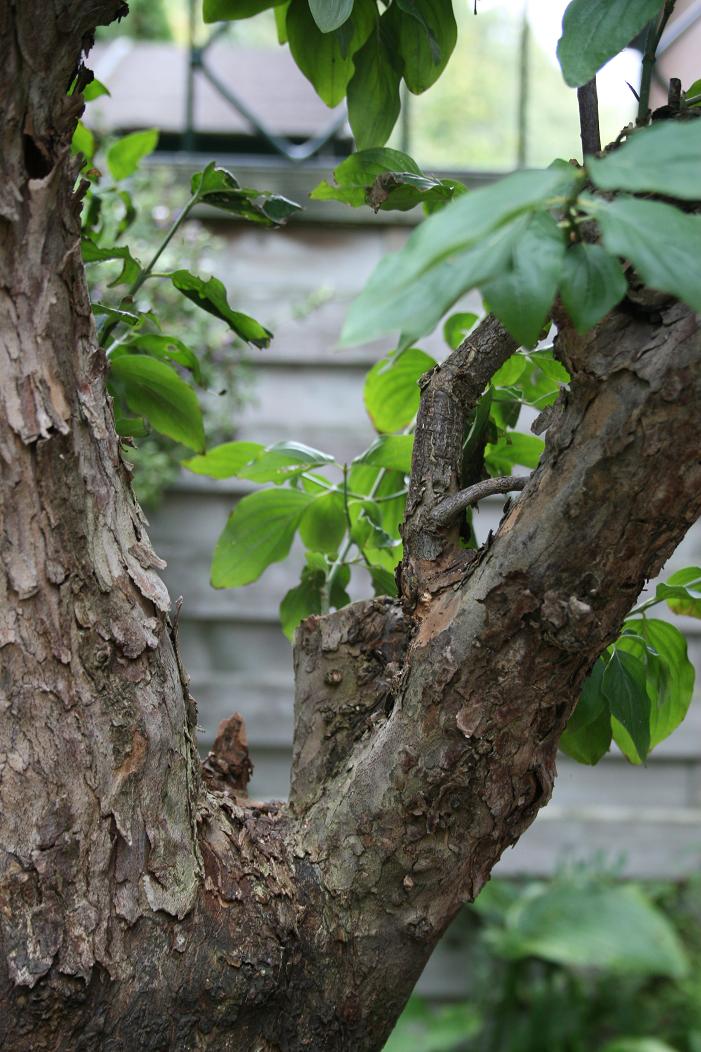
[(414, 822), (447, 510), (450, 393)]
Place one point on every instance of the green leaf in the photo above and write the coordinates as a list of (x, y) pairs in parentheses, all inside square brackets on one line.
[(155, 391), (593, 31), (170, 347), (83, 141), (383, 582), (457, 326), (669, 675), (280, 12), (373, 92), (338, 595), (410, 282), (426, 35), (324, 524), (539, 384), (330, 14), (390, 451), (664, 159), (129, 211), (218, 188), (368, 532), (211, 296), (512, 448), (638, 1044), (591, 285), (125, 155), (625, 690), (523, 296), (129, 426), (512, 369), (548, 364), (302, 600), (418, 307), (588, 734), (660, 241), (94, 90), (391, 392), (259, 532), (283, 461), (327, 59), (356, 174), (376, 523), (230, 10), (131, 268), (225, 461), (384, 179), (438, 1029), (614, 928), (683, 592)]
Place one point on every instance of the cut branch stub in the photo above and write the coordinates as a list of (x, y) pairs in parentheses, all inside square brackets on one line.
[(346, 668)]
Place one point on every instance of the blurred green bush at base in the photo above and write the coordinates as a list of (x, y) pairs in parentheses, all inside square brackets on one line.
[(581, 963)]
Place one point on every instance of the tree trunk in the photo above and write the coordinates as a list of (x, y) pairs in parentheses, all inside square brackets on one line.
[(144, 906)]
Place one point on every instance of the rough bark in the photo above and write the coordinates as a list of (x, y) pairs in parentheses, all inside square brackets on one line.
[(145, 907)]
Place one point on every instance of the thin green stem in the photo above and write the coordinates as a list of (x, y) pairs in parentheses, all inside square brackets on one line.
[(646, 605), (321, 483), (349, 542), (120, 340), (147, 271), (653, 36), (389, 496)]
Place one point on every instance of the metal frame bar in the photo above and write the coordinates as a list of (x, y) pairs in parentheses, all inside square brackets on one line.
[(197, 64)]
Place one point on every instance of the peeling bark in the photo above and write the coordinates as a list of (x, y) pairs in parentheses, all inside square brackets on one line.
[(147, 907)]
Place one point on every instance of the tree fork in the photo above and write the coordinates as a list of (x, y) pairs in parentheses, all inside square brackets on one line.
[(140, 908)]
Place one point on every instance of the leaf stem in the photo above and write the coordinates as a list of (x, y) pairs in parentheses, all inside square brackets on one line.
[(147, 272), (646, 605), (341, 558)]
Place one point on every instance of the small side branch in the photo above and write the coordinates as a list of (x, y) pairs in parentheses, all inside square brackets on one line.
[(448, 509), (588, 100)]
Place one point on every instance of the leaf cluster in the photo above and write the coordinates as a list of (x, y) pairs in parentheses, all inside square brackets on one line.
[(359, 50), (153, 374), (567, 231)]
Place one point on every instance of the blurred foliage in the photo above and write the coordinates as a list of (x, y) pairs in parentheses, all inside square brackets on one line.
[(469, 118), (147, 20), (582, 963)]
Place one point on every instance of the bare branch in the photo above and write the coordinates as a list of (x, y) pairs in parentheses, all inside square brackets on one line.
[(448, 509), (588, 100), (449, 393)]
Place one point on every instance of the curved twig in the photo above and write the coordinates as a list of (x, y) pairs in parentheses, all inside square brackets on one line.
[(450, 508)]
